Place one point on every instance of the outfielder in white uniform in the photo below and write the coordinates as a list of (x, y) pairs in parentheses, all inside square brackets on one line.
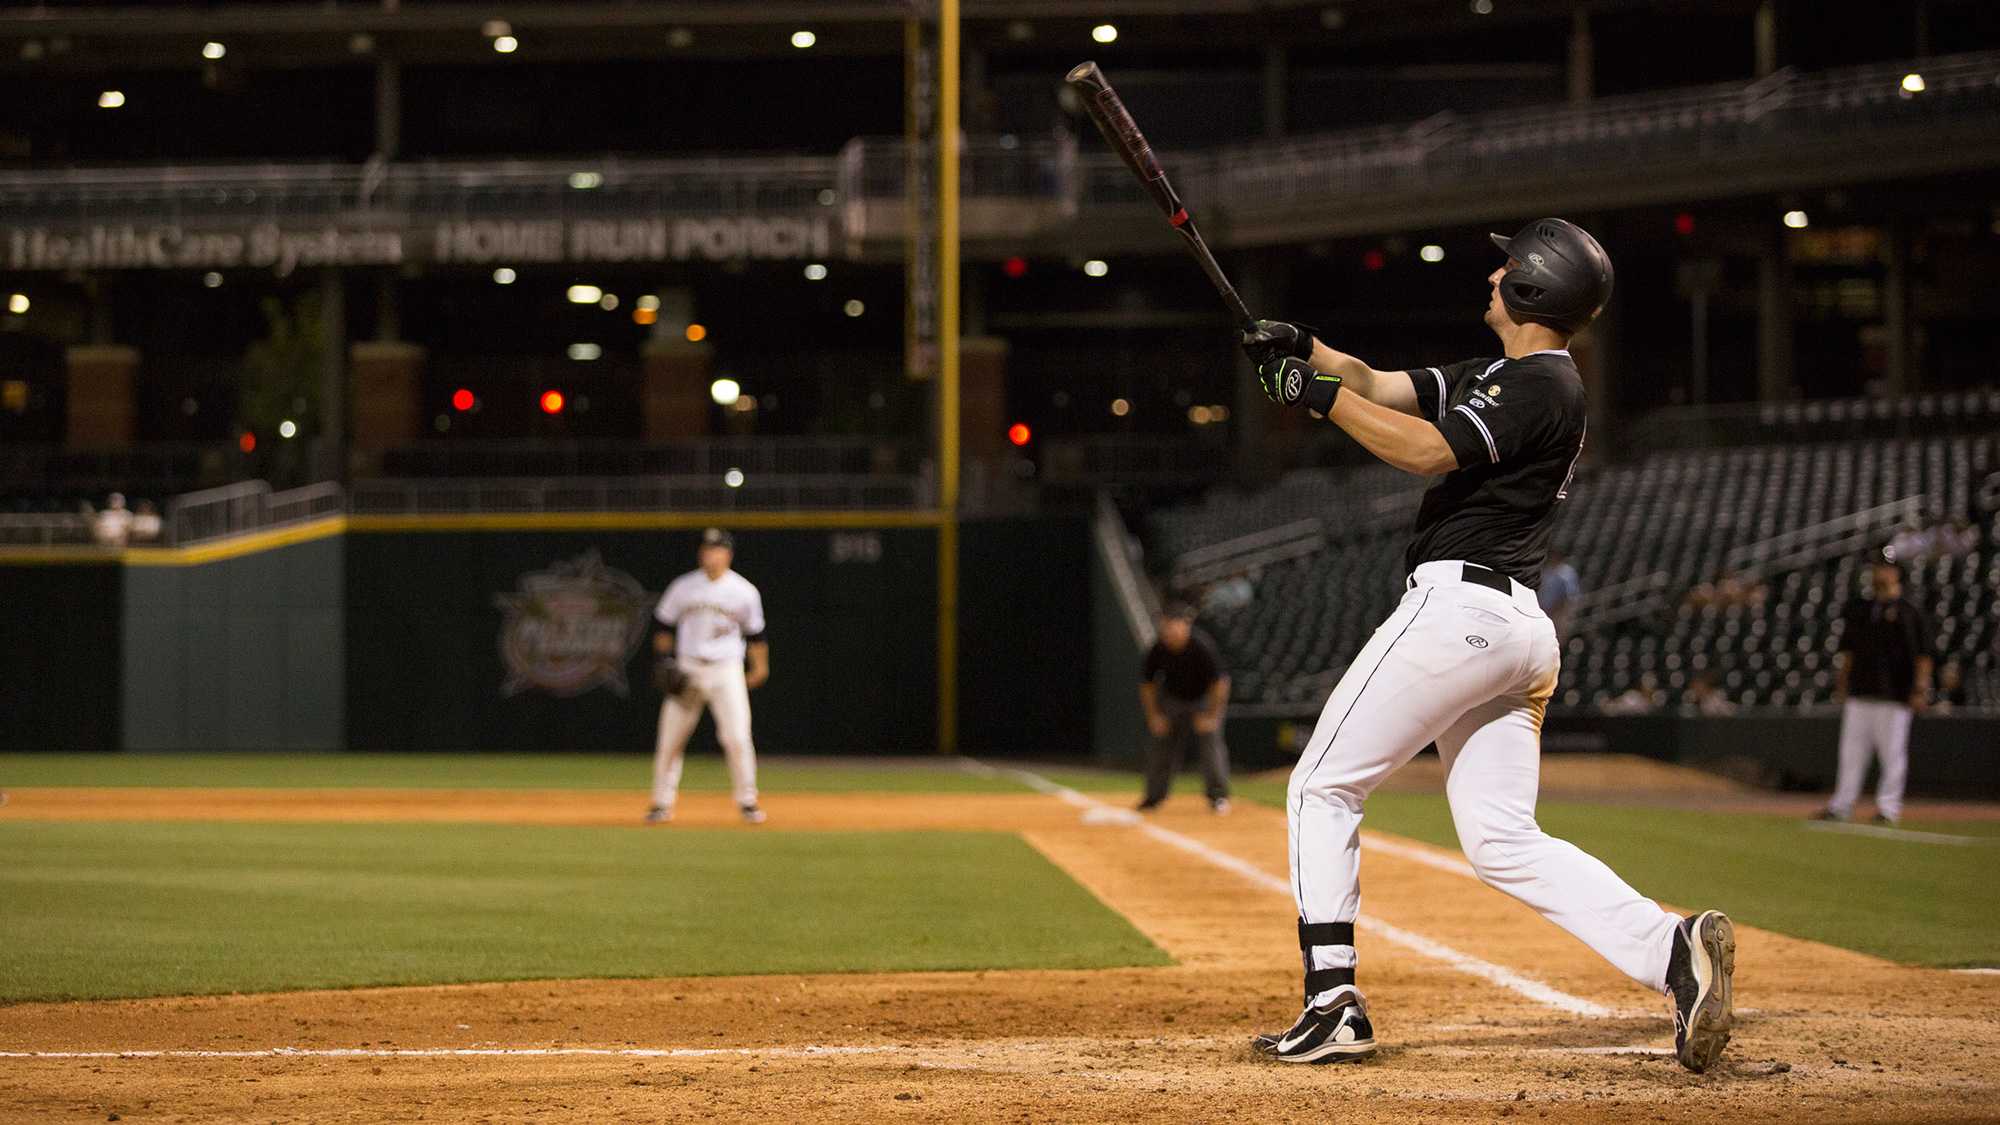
[(717, 619), (1468, 660)]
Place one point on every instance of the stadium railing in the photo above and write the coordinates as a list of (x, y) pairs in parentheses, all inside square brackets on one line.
[(246, 506), (705, 493)]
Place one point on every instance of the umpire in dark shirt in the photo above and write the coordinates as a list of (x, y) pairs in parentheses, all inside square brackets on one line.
[(1883, 677), (1183, 689)]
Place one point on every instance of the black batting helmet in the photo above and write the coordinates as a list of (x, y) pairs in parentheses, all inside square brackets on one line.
[(1561, 277)]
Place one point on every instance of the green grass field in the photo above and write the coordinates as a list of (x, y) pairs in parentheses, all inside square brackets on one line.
[(125, 909), (121, 909), (1920, 903)]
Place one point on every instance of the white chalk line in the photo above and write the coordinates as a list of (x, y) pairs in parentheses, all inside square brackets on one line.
[(1417, 943), (1907, 835), (1979, 972), (957, 1052)]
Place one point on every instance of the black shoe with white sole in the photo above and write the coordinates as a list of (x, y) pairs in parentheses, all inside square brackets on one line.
[(1335, 1032), (1698, 979)]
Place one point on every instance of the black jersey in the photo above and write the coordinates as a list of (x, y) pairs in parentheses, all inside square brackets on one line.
[(1517, 428)]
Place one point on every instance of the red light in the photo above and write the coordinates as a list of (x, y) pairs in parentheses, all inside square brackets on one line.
[(1018, 433), (1015, 267), (247, 443), (552, 402), (461, 399), (1683, 224), (1373, 260)]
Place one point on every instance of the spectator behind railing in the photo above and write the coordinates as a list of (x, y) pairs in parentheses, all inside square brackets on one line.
[(112, 526), (146, 523)]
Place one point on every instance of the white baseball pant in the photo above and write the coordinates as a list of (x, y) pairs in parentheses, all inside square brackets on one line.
[(1873, 728), (719, 686), (1472, 669)]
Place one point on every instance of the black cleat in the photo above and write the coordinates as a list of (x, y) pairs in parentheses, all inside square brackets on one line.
[(1827, 814), (752, 814), (659, 814), (1698, 980), (1880, 821), (1335, 1032)]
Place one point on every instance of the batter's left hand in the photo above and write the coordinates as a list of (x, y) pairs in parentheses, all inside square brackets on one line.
[(1292, 382)]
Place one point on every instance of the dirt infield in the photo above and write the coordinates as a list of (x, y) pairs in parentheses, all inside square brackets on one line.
[(1824, 1035)]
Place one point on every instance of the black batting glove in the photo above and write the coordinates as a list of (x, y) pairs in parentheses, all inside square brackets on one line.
[(1291, 381), (1275, 339)]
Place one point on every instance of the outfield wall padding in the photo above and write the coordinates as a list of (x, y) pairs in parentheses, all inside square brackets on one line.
[(59, 656)]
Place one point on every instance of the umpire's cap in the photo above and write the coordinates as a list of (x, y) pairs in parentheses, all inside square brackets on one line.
[(1561, 277), (716, 537)]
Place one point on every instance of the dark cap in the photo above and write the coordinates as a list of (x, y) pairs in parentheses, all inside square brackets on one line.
[(1178, 611), (716, 537)]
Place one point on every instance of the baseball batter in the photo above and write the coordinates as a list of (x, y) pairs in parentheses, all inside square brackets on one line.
[(711, 618), (1468, 660)]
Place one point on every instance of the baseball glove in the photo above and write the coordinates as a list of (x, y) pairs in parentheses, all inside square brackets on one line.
[(668, 676)]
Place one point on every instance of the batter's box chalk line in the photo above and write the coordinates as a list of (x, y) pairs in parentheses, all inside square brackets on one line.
[(1518, 983)]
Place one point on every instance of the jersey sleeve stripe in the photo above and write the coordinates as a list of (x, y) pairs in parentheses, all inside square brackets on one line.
[(1443, 393), (1492, 450)]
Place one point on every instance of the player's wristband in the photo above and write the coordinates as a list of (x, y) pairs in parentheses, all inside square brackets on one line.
[(1293, 382)]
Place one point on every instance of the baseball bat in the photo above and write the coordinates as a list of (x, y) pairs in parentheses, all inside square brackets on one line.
[(1113, 120)]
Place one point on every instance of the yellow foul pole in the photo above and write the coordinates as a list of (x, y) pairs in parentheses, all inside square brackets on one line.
[(947, 380)]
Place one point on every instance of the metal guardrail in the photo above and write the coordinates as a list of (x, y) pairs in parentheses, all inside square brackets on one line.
[(1681, 427), (1259, 548), (501, 496), (234, 509), (1819, 542), (47, 529)]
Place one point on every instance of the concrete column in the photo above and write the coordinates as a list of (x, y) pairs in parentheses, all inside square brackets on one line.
[(388, 108), (102, 411), (331, 458), (387, 410), (676, 402), (1582, 57), (1764, 36), (1277, 85), (1775, 380), (1899, 370)]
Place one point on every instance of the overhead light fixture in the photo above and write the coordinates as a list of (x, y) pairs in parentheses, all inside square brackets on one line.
[(586, 181), (803, 39), (506, 44), (18, 303), (725, 391), (584, 353), (608, 302), (1482, 7), (288, 429), (212, 50), (1913, 83), (1797, 220), (1431, 252), (211, 280), (585, 294), (505, 275), (1105, 33), (111, 99), (733, 478), (1120, 407), (815, 272), (649, 303), (696, 333), (854, 308), (1096, 267)]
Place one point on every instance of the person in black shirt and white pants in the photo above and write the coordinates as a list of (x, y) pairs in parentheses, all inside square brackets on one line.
[(1883, 677), (1468, 660), (1183, 690)]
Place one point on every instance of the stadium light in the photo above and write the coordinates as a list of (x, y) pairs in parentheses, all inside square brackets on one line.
[(1797, 220), (733, 478), (111, 99), (1431, 252), (1120, 407), (212, 50), (585, 294), (288, 429), (815, 272), (18, 303), (584, 353), (586, 181), (803, 39), (1096, 267), (211, 280), (725, 391), (506, 44), (854, 308), (1482, 7), (505, 275), (649, 303), (1104, 33), (608, 302), (696, 333), (1913, 83)]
